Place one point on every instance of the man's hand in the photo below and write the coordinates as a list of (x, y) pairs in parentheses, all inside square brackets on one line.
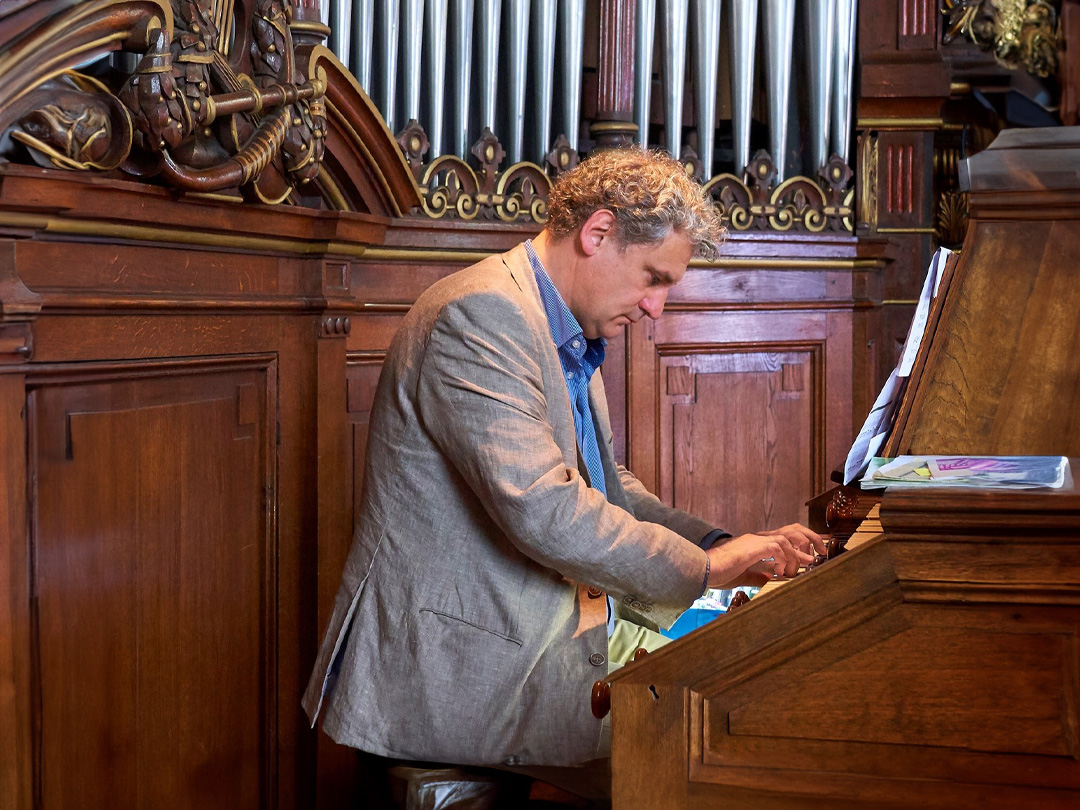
[(754, 559)]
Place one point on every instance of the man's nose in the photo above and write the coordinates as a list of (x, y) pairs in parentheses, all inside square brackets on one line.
[(653, 303)]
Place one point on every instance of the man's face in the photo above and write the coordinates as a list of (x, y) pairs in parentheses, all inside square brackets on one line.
[(623, 284)]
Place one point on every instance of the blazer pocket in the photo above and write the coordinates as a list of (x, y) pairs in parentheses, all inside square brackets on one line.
[(473, 625)]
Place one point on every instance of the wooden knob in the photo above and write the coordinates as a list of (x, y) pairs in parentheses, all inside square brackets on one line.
[(640, 653), (601, 699), (738, 600)]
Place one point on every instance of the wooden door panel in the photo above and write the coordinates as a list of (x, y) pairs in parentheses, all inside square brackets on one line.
[(736, 430), (154, 543)]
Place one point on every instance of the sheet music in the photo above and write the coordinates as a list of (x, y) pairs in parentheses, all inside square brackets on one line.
[(879, 421)]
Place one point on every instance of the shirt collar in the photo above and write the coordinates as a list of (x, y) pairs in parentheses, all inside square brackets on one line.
[(565, 329)]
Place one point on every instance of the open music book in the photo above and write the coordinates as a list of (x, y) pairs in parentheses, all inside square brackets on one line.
[(1010, 472), (880, 420)]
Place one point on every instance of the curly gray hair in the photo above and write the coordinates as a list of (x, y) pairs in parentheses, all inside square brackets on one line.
[(649, 193)]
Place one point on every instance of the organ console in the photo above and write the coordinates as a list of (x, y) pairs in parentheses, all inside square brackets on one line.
[(936, 663)]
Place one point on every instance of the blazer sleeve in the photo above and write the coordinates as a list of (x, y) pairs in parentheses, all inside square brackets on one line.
[(481, 397), (647, 506)]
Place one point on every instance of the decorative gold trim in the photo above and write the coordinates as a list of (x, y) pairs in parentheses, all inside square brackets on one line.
[(790, 264), (309, 27), (868, 182), (472, 256), (899, 302), (162, 234), (900, 123), (358, 142), (332, 191), (907, 230), (767, 306), (613, 126), (389, 254)]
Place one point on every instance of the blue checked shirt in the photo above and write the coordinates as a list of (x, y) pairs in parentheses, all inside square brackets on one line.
[(580, 357)]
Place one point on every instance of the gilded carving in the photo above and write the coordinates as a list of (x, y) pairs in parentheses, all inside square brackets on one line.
[(450, 187), (192, 114), (1021, 33), (797, 204), (868, 180), (952, 217), (75, 123)]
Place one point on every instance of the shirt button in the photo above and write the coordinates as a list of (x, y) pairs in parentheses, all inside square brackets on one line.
[(597, 659), (575, 343), (595, 593)]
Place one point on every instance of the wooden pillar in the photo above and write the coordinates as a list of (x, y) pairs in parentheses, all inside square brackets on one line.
[(614, 125), (19, 308)]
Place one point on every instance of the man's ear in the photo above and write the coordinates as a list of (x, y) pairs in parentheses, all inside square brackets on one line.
[(599, 226)]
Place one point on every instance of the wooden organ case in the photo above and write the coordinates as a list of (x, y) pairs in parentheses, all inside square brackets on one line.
[(938, 663)]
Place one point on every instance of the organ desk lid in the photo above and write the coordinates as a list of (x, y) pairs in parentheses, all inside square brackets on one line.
[(1000, 373), (937, 664)]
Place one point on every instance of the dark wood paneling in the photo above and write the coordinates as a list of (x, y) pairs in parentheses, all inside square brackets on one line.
[(155, 552), (738, 415), (736, 433)]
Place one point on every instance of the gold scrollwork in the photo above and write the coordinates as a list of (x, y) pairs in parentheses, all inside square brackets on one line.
[(1021, 33), (797, 204)]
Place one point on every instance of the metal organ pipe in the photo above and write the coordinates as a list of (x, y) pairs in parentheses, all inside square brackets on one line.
[(489, 16), (706, 53), (518, 28), (843, 75), (435, 18), (673, 15), (743, 48), (572, 31), (414, 31), (388, 36), (362, 38), (544, 16), (779, 34), (819, 31), (644, 37), (461, 26)]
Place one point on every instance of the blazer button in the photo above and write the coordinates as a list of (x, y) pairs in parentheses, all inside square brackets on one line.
[(597, 659), (595, 593)]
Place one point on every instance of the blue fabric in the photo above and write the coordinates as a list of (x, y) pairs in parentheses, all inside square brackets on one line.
[(579, 357)]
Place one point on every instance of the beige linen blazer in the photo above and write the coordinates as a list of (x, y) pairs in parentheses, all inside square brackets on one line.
[(463, 630)]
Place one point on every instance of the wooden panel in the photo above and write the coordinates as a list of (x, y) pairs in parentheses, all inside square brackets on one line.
[(913, 676), (737, 415), (736, 434), (154, 547), (1013, 293), (15, 743), (917, 24)]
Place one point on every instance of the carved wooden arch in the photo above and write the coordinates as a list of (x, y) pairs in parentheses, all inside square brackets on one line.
[(200, 119), (363, 166)]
